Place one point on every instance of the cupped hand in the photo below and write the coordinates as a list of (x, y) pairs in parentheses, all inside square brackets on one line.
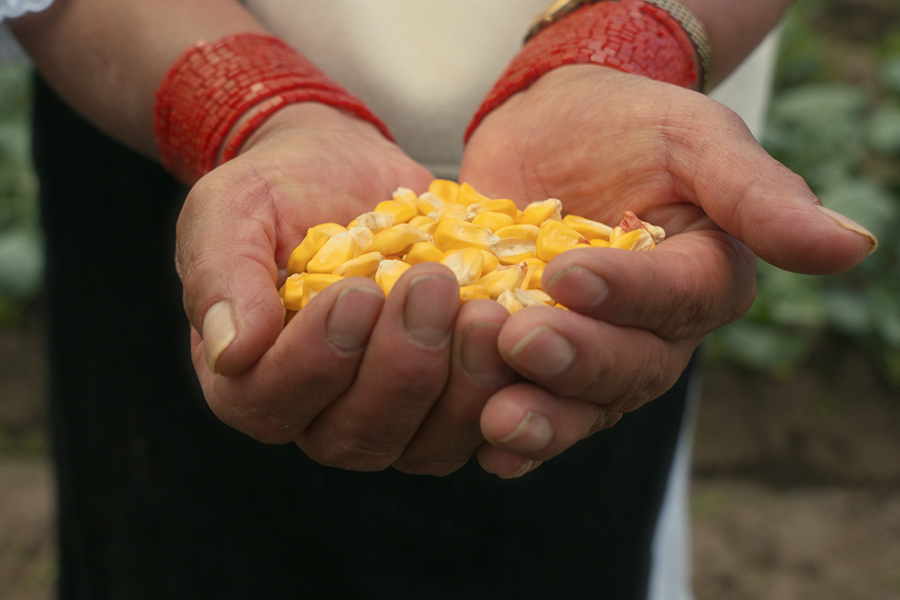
[(355, 379), (604, 142)]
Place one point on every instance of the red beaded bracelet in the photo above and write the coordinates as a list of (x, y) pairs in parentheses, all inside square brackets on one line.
[(213, 86), (632, 36)]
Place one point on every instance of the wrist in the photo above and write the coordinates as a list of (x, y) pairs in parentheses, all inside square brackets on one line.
[(216, 95), (633, 36)]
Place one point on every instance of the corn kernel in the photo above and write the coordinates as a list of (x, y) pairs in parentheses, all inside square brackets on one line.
[(364, 265), (426, 224), (453, 234), (492, 220), (468, 293), (502, 279), (468, 195), (466, 264), (557, 237), (517, 243), (292, 291), (373, 220), (449, 211), (637, 239), (423, 252), (315, 238), (534, 271), (399, 210), (398, 239), (315, 283), (389, 271), (589, 229), (428, 202), (407, 196), (506, 207), (337, 249), (538, 212), (509, 301), (444, 189), (491, 261)]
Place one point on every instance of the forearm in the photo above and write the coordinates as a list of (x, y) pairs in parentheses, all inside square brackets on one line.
[(735, 28), (106, 58)]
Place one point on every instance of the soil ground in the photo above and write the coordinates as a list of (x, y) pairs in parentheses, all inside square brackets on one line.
[(795, 494)]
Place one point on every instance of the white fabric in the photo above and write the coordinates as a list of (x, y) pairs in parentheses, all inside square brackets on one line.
[(16, 8)]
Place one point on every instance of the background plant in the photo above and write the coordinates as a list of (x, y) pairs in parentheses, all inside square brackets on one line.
[(835, 120)]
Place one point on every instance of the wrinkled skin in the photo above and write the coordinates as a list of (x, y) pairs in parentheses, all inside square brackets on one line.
[(420, 384)]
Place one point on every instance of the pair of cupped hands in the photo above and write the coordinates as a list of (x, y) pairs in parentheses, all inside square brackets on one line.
[(419, 383)]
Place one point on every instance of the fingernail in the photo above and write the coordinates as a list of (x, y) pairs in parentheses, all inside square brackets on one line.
[(542, 352), (524, 468), (580, 287), (479, 357), (532, 434), (431, 305), (851, 225), (219, 330), (353, 317)]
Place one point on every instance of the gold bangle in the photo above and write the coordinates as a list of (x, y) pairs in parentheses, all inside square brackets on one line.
[(691, 25)]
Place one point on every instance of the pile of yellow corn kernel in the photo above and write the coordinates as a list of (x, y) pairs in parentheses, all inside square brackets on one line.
[(495, 249)]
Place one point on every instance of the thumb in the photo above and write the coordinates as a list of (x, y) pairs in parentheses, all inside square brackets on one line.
[(225, 259), (755, 198)]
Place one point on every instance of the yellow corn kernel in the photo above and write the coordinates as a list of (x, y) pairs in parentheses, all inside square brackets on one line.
[(449, 211), (534, 297), (502, 279), (630, 222), (292, 291), (426, 224), (468, 195), (315, 238), (407, 196), (517, 243), (337, 250), (491, 261), (389, 271), (557, 237), (543, 210), (428, 202), (397, 239), (509, 301), (468, 293), (492, 220), (364, 265), (588, 228), (598, 243), (314, 283), (506, 207), (453, 234), (466, 264), (363, 237), (399, 210), (444, 189), (423, 252), (637, 239), (534, 271), (373, 220)]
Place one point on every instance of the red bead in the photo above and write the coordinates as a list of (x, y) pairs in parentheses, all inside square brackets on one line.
[(211, 87), (630, 35)]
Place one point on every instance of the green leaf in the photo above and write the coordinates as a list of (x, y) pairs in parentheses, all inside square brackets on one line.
[(21, 264)]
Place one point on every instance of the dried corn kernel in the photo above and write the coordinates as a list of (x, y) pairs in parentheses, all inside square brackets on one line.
[(466, 264), (494, 249)]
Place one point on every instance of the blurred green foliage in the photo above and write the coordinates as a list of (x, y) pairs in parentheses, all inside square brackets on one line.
[(21, 255), (835, 120)]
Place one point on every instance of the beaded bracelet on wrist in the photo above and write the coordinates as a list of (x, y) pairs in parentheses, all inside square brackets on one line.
[(633, 36), (243, 78)]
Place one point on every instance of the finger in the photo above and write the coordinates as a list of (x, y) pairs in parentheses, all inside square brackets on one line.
[(450, 434), (526, 424), (403, 372), (312, 362), (685, 287), (571, 355), (225, 258), (757, 199)]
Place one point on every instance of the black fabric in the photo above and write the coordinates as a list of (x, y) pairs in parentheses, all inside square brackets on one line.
[(159, 500)]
